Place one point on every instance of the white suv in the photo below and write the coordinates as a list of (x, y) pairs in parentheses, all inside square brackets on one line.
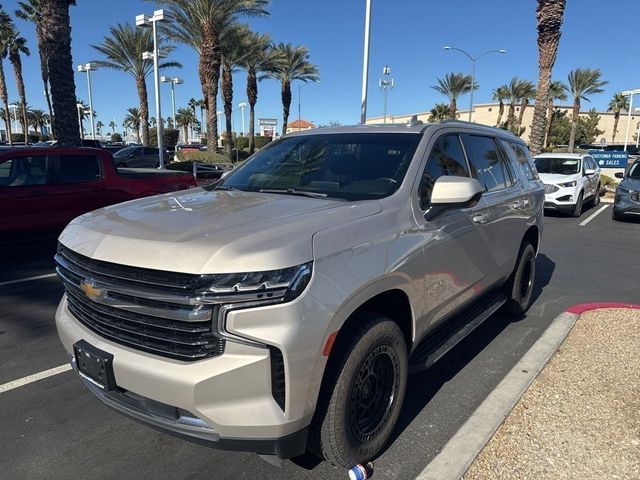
[(570, 179)]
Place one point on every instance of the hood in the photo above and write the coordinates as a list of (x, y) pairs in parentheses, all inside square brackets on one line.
[(201, 231), (631, 183), (555, 178)]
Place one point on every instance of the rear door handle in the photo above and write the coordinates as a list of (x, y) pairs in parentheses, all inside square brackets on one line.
[(480, 218)]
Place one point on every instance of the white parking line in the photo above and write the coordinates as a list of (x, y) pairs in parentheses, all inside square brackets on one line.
[(594, 215), (27, 279), (34, 378)]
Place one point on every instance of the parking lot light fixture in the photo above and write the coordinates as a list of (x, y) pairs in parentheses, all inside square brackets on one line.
[(88, 68), (474, 59), (629, 93), (151, 21)]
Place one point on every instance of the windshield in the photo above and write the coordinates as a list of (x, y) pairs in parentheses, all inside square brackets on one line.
[(125, 152), (634, 171), (560, 166), (347, 166)]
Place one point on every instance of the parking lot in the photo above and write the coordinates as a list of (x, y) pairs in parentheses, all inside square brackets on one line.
[(54, 428)]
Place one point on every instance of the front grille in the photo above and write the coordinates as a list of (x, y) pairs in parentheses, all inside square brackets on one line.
[(139, 308), (550, 188)]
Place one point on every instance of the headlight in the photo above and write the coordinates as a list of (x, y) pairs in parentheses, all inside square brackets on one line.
[(274, 286), (568, 184), (624, 190)]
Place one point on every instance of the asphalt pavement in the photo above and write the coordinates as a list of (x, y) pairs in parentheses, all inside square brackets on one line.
[(54, 428)]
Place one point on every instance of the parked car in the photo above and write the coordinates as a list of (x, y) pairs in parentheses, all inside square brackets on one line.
[(45, 188), (138, 157), (570, 180), (283, 309), (627, 201)]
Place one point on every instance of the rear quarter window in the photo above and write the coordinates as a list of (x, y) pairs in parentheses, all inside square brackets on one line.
[(521, 159), (78, 168)]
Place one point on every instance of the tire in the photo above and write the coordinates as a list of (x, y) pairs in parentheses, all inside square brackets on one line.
[(577, 211), (519, 287), (341, 433), (616, 216), (596, 199)]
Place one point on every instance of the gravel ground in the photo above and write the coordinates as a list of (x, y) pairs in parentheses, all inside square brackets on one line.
[(580, 419)]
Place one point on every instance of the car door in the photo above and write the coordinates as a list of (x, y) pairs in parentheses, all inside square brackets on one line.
[(150, 158), (504, 197), (594, 178), (454, 242), (25, 182), (524, 169)]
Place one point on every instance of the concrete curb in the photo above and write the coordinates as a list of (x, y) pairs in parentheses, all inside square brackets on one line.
[(461, 450)]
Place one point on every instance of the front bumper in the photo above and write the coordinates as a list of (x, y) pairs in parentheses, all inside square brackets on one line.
[(563, 199), (625, 204)]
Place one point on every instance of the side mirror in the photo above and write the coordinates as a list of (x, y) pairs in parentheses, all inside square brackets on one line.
[(454, 192), (589, 171), (619, 175)]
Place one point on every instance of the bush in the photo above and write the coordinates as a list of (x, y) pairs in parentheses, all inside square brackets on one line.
[(608, 183), (262, 141), (19, 137), (241, 143), (116, 137), (202, 156), (169, 137)]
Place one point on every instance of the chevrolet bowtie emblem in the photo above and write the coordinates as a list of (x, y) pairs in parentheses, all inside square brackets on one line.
[(91, 291)]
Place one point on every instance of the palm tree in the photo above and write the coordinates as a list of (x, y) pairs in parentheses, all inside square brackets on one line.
[(439, 112), (14, 48), (133, 119), (112, 126), (199, 24), (99, 127), (500, 94), (5, 33), (123, 49), (452, 86), (549, 14), (527, 91), (31, 11), (259, 63), (153, 122), (185, 117), (617, 104), (292, 63), (582, 83), (556, 92), (83, 112), (37, 119)]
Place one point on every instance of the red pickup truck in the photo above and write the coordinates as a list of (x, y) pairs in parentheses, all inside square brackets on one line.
[(45, 188)]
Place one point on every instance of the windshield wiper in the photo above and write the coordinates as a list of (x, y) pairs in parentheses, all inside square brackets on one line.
[(293, 191), (223, 187)]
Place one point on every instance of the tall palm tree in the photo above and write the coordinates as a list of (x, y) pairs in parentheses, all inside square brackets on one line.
[(556, 92), (439, 112), (259, 63), (133, 119), (617, 104), (583, 82), (500, 94), (453, 86), (31, 11), (186, 117), (123, 49), (549, 14), (527, 91), (99, 127), (112, 126), (199, 24), (14, 48), (5, 34), (37, 119), (292, 63)]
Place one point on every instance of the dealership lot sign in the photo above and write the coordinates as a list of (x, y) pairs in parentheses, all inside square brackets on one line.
[(613, 159)]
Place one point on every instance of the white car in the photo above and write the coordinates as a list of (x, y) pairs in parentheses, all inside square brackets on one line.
[(570, 180)]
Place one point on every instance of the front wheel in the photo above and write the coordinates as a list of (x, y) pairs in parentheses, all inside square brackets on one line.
[(596, 199), (362, 396), (519, 288), (577, 211)]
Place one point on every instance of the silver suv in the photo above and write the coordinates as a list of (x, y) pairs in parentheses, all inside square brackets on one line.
[(282, 310)]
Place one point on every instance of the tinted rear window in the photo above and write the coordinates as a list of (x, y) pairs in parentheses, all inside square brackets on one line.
[(78, 168)]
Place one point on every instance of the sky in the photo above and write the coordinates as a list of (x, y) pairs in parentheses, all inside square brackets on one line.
[(407, 35)]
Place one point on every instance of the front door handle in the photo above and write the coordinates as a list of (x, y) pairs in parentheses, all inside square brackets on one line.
[(480, 218), (519, 205)]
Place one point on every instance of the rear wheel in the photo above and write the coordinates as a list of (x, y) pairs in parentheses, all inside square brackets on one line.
[(577, 211), (519, 288), (363, 393)]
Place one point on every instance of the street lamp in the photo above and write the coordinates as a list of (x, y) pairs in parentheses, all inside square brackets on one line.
[(173, 81), (87, 68), (300, 85), (473, 59), (14, 107), (218, 115), (365, 63), (146, 21), (386, 83), (629, 93), (242, 106)]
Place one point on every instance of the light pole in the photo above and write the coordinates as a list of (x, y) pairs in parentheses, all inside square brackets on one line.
[(87, 68), (386, 83), (242, 106), (146, 21), (218, 115), (173, 81), (629, 93), (473, 59), (365, 62), (14, 107), (300, 85)]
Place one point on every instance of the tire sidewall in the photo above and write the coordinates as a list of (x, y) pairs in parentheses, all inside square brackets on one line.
[(520, 304), (577, 211)]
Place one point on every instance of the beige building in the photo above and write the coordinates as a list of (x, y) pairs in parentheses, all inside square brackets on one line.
[(487, 114)]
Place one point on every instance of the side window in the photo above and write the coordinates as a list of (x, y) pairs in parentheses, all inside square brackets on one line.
[(24, 171), (521, 159), (446, 159), (486, 162), (150, 151), (78, 168)]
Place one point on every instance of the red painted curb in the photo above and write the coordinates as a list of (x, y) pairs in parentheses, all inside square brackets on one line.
[(585, 307)]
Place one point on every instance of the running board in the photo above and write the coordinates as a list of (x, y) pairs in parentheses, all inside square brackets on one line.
[(453, 330)]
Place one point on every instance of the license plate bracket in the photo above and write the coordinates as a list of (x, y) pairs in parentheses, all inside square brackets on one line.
[(94, 365)]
